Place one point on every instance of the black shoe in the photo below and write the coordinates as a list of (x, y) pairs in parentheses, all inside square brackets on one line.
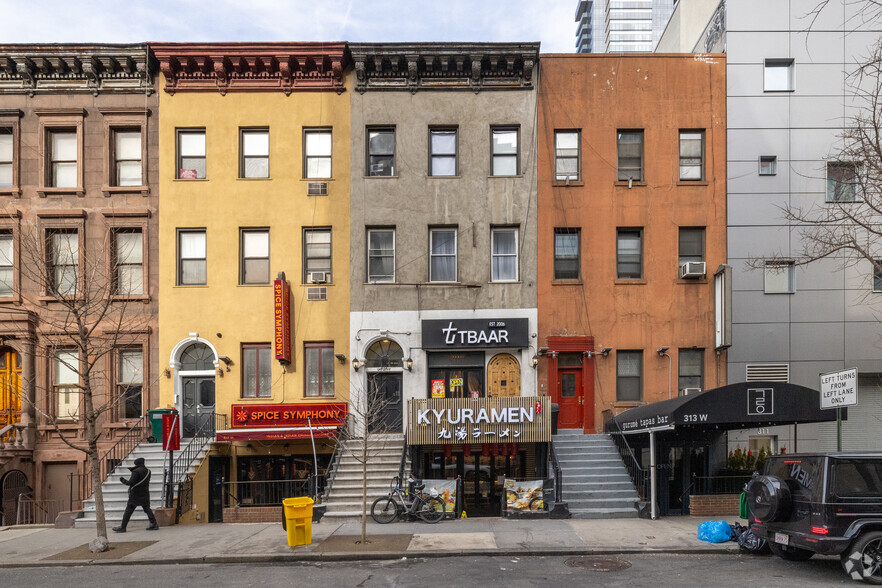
[(119, 529), (153, 527)]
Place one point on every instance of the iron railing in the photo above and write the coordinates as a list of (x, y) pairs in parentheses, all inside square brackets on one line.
[(204, 435), (639, 475), (270, 492), (185, 497), (403, 462), (333, 467), (36, 512), (555, 472), (730, 484)]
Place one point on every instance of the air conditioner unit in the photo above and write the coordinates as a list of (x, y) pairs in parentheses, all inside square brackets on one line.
[(317, 277), (317, 293), (317, 189), (688, 391), (693, 269)]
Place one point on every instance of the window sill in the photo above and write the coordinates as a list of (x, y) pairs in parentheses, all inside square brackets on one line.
[(45, 298), (45, 191), (305, 285), (190, 180), (112, 190), (640, 184), (132, 298), (381, 283), (779, 293), (456, 177), (778, 91), (10, 299), (564, 184), (10, 192), (693, 183), (628, 403), (505, 282), (191, 285), (367, 177), (255, 285), (255, 399), (630, 282), (567, 282), (327, 179), (68, 425), (506, 177), (252, 179), (123, 424)]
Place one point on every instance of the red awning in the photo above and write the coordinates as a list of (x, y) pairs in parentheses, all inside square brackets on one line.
[(274, 433)]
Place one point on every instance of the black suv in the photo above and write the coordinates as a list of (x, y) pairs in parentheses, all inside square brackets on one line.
[(831, 504)]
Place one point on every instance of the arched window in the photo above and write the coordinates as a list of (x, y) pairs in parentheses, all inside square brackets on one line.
[(385, 353), (197, 357)]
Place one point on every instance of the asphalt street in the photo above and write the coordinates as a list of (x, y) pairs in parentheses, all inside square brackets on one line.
[(656, 570)]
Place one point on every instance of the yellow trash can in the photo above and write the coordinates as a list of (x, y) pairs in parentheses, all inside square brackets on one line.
[(298, 520)]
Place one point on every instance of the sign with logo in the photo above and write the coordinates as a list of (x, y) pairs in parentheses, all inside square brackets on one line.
[(760, 401), (282, 320), (475, 333), (839, 389), (437, 388), (187, 174), (452, 421), (289, 415), (171, 432)]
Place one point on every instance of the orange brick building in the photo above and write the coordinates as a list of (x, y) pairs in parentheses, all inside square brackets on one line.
[(632, 227)]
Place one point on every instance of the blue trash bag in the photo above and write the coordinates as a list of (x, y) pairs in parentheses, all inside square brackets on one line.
[(714, 531)]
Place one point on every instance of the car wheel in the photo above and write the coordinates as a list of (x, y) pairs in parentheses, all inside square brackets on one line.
[(863, 560), (790, 553), (768, 498)]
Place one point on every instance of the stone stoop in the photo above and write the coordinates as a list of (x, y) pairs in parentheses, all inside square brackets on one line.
[(596, 484), (344, 502), (116, 494)]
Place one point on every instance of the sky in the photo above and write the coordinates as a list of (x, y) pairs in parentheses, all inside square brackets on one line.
[(130, 21)]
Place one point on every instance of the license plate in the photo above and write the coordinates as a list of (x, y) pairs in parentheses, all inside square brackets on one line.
[(782, 538)]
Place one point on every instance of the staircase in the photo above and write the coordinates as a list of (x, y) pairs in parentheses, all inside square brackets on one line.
[(384, 457), (116, 494), (596, 484)]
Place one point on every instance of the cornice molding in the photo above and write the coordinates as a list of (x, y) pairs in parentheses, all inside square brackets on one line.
[(252, 67), (43, 69), (444, 66)]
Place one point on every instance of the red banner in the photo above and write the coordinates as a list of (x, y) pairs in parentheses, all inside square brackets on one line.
[(289, 415), (282, 320), (171, 432)]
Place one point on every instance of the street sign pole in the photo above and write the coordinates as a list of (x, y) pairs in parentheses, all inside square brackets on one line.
[(839, 389), (838, 429)]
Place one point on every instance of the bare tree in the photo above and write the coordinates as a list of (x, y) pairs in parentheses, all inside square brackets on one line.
[(83, 296)]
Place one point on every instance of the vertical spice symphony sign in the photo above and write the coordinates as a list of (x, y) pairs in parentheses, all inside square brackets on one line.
[(282, 320)]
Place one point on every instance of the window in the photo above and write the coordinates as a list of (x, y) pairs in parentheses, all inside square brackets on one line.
[(254, 264), (504, 254), (877, 276), (381, 151), (630, 156), (6, 159), (7, 264), (127, 158), (191, 154), (257, 371), (67, 379), (691, 369), (629, 254), (316, 253), (691, 156), (317, 149), (505, 151), (63, 159), (842, 182), (778, 277), (442, 255), (629, 376), (567, 251), (381, 255), (64, 257), (691, 244), (319, 371), (442, 152), (128, 262), (130, 382), (253, 153), (768, 165), (778, 75), (566, 156), (192, 270)]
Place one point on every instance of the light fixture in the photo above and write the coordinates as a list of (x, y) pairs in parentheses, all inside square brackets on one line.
[(356, 363), (226, 361), (340, 357), (408, 363), (166, 372), (605, 351), (543, 350), (662, 351), (587, 354), (535, 361), (220, 372)]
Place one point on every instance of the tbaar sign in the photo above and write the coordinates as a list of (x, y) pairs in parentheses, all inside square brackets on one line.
[(443, 421), (475, 333)]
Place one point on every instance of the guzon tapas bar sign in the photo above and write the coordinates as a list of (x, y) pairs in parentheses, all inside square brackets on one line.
[(452, 421), (282, 320), (289, 415), (475, 333)]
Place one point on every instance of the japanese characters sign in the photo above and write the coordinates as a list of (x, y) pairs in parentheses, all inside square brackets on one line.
[(451, 421)]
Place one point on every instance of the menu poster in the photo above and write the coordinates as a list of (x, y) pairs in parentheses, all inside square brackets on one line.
[(437, 388), (523, 495), (446, 492)]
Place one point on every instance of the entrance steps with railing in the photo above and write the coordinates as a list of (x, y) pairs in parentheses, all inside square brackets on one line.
[(116, 494), (596, 484), (344, 501)]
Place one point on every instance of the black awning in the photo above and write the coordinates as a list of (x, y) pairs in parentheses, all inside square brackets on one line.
[(745, 405)]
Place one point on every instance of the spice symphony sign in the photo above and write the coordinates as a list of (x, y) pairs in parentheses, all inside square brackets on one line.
[(289, 415), (443, 421), (475, 333), (282, 320)]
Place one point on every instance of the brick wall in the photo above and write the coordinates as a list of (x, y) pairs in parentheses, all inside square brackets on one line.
[(711, 504), (253, 514)]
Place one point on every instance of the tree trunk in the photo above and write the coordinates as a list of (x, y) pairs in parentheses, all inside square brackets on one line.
[(94, 461)]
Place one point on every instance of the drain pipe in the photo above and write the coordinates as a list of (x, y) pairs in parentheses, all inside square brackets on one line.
[(653, 485)]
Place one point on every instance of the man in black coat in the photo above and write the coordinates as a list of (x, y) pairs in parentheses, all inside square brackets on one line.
[(139, 495)]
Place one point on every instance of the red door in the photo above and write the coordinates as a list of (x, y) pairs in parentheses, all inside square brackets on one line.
[(570, 397)]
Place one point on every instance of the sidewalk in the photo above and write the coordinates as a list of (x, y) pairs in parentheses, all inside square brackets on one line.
[(266, 542)]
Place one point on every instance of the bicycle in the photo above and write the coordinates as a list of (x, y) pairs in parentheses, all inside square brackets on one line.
[(400, 502)]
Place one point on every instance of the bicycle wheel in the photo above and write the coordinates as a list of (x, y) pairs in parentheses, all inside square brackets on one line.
[(384, 510), (431, 510)]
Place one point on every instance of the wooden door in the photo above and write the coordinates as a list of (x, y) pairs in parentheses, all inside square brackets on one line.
[(10, 388), (504, 376), (570, 397), (57, 478)]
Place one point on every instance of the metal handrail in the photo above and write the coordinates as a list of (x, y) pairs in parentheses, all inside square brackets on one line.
[(115, 455), (403, 461), (639, 475), (333, 467), (204, 435), (557, 473)]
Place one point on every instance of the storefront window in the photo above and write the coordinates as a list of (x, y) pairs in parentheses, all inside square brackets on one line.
[(456, 375), (264, 480)]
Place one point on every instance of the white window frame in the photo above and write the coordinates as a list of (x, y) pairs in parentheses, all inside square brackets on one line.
[(244, 257), (244, 155), (118, 264), (505, 129), (307, 156), (701, 159), (8, 264), (117, 160), (770, 281), (180, 156), (181, 258), (778, 63), (69, 388), (559, 177), (433, 156), (433, 255), (495, 255)]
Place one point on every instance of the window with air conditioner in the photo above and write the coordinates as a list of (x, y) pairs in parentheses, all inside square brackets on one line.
[(691, 263), (690, 370), (316, 256)]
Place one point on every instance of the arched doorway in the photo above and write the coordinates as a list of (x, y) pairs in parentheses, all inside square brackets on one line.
[(10, 387), (503, 376), (14, 484), (383, 362), (196, 372)]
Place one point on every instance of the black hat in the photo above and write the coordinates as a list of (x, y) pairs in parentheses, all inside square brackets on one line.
[(139, 461)]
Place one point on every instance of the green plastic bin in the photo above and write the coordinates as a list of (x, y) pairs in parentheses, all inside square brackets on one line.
[(155, 417)]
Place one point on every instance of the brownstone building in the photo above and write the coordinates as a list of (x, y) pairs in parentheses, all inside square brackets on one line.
[(632, 227), (78, 166)]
